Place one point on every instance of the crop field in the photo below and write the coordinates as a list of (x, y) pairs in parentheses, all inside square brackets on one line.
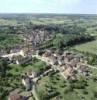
[(47, 21), (90, 47)]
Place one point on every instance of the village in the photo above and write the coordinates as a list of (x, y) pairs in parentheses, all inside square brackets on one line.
[(48, 56), (68, 64)]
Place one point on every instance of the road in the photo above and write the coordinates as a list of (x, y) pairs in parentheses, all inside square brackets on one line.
[(90, 66), (42, 75), (13, 54)]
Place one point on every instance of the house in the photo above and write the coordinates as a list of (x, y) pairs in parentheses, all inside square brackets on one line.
[(2, 52), (27, 82), (15, 97), (47, 53), (75, 63), (14, 50), (68, 57), (66, 53), (68, 71), (62, 68), (61, 60), (83, 69), (31, 74), (79, 57), (73, 77), (76, 59), (56, 54), (53, 60), (23, 60)]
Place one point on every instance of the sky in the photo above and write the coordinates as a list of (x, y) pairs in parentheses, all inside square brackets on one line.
[(49, 6)]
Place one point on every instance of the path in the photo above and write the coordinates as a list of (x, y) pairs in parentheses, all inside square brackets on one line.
[(34, 93), (35, 80)]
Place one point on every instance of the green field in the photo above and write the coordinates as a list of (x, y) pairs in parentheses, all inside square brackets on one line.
[(90, 47), (47, 21), (35, 65)]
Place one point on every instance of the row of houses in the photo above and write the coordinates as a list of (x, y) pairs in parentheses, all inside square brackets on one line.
[(71, 65)]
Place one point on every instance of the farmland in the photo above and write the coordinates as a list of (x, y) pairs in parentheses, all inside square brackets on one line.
[(90, 47)]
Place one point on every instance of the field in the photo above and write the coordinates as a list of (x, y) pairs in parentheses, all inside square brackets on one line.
[(90, 47)]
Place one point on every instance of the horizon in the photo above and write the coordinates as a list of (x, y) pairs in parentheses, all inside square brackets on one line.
[(51, 13)]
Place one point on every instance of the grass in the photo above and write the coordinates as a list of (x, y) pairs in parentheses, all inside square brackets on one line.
[(36, 66), (90, 47)]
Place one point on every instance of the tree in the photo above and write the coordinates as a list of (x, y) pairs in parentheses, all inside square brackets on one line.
[(95, 94), (3, 67), (58, 41)]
